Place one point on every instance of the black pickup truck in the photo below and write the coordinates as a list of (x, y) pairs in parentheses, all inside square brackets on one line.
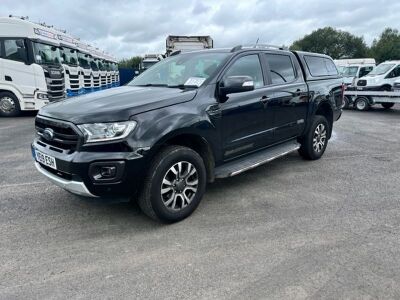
[(186, 121)]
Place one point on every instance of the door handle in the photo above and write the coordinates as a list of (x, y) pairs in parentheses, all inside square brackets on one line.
[(264, 99)]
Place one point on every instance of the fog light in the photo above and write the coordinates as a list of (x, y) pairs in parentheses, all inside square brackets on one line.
[(108, 172)]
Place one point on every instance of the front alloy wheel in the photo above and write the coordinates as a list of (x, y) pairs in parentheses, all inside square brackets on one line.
[(174, 184), (179, 185)]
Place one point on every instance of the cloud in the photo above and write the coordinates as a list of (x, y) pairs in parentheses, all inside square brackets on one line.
[(126, 28)]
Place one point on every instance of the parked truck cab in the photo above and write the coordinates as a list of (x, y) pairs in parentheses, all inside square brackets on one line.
[(70, 63), (85, 68), (31, 74)]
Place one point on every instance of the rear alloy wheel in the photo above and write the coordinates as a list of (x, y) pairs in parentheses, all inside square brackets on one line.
[(387, 105), (9, 105), (174, 185), (314, 143), (362, 104)]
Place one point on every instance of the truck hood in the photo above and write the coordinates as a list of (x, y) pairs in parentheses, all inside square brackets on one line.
[(116, 104)]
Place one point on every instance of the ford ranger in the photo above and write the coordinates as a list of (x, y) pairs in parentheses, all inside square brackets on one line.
[(186, 121)]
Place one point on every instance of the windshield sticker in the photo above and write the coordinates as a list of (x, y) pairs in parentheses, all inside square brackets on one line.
[(197, 81)]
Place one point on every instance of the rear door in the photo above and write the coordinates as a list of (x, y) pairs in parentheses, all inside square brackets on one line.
[(289, 100)]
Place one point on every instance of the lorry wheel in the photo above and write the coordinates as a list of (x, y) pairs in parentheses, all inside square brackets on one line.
[(346, 102), (362, 104), (9, 105), (314, 143), (174, 185), (387, 105)]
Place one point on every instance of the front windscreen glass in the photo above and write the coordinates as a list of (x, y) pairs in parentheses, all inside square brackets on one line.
[(381, 69), (188, 69), (350, 71), (84, 60), (94, 64), (46, 54), (70, 56)]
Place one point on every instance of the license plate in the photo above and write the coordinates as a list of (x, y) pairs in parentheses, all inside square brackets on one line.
[(45, 159)]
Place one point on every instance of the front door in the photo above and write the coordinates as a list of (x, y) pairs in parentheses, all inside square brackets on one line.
[(245, 126)]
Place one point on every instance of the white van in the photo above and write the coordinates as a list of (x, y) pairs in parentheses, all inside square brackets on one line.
[(380, 78), (352, 69)]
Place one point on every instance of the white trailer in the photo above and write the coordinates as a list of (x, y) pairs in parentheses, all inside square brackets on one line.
[(363, 100), (187, 43), (31, 73)]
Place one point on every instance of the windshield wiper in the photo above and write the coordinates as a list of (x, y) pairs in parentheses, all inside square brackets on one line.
[(153, 84), (183, 86)]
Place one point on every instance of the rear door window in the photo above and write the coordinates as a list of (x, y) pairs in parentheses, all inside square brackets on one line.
[(281, 68), (320, 66)]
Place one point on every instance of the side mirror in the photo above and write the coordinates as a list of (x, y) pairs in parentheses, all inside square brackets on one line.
[(235, 84)]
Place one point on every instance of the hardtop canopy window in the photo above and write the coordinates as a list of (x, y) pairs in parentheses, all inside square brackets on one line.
[(320, 66)]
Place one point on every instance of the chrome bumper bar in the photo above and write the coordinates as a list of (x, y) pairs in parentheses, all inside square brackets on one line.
[(75, 187)]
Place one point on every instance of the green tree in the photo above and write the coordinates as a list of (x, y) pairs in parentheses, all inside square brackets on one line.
[(131, 63), (332, 42), (387, 46)]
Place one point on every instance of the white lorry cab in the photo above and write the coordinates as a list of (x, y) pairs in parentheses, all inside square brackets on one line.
[(381, 78), (31, 73), (115, 72), (94, 63), (69, 55), (352, 69), (85, 70), (102, 68)]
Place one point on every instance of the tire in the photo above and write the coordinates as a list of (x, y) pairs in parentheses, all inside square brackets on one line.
[(387, 105), (361, 104), (314, 143), (9, 105), (164, 197), (346, 102)]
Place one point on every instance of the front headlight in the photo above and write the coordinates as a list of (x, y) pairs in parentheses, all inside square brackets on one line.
[(101, 132)]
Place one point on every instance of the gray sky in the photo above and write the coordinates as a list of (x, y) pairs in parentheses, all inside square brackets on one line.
[(126, 28)]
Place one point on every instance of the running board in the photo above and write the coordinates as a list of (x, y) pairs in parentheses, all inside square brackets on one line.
[(254, 160)]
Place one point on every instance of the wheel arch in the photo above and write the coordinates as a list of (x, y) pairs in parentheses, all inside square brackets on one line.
[(193, 141), (325, 109)]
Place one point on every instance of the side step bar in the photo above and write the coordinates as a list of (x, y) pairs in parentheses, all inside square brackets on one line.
[(256, 159)]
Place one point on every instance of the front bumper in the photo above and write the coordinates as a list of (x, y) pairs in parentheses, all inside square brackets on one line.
[(75, 187), (75, 171)]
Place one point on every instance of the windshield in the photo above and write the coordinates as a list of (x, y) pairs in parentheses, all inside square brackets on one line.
[(84, 60), (70, 56), (381, 69), (340, 69), (101, 65), (183, 69), (107, 66), (93, 64), (114, 67), (350, 71), (46, 54)]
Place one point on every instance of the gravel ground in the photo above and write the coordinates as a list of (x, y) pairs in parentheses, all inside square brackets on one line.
[(291, 229)]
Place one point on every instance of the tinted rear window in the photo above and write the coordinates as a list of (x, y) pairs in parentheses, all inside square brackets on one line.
[(281, 68), (320, 66)]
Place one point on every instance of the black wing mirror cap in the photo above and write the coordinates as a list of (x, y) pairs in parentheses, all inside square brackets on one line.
[(235, 84)]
